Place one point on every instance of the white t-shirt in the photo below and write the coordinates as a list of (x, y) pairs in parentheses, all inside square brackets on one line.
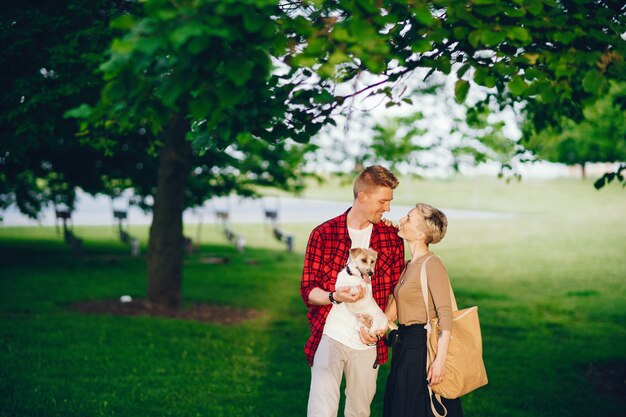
[(341, 325)]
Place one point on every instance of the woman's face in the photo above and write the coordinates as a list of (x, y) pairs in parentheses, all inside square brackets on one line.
[(411, 226)]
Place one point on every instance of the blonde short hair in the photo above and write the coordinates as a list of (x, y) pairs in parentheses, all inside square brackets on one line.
[(372, 177), (436, 222)]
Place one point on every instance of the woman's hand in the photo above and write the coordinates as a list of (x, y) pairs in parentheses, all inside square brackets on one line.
[(436, 371)]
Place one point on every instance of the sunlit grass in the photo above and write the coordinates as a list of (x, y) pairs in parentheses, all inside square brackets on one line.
[(549, 284)]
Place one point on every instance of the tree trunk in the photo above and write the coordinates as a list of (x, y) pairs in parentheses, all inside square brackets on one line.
[(166, 248), (582, 169)]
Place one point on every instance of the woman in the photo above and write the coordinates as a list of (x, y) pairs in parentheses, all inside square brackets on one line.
[(407, 391)]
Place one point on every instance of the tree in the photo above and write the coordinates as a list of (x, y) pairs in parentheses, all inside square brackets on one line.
[(48, 65), (206, 65), (599, 137), (235, 79), (52, 65), (433, 133), (552, 57)]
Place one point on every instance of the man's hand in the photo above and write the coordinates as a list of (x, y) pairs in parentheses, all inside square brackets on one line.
[(369, 340), (343, 295)]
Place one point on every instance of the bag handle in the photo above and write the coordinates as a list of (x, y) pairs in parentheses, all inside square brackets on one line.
[(424, 284), (428, 327), (432, 405)]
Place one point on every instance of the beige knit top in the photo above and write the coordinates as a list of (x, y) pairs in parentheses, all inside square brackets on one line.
[(409, 298)]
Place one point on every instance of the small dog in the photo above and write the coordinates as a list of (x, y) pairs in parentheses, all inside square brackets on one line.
[(358, 272)]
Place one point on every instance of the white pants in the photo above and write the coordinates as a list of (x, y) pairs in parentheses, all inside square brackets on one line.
[(332, 360)]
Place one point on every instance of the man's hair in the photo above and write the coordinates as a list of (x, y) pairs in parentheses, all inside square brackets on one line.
[(436, 222), (372, 177)]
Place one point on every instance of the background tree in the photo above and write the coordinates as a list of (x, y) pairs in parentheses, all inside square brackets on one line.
[(51, 64), (429, 133), (553, 57), (599, 137), (50, 53), (207, 65)]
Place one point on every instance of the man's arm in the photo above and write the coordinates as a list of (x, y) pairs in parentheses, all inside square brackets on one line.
[(311, 276), (320, 297)]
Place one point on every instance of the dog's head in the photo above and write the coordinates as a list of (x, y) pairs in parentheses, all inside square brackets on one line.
[(363, 260)]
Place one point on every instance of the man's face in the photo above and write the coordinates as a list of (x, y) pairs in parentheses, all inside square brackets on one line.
[(376, 203)]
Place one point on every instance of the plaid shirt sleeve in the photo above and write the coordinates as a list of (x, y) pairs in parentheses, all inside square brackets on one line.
[(326, 254)]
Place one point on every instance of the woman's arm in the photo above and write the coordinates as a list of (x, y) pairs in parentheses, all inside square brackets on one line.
[(437, 369), (391, 310), (439, 286)]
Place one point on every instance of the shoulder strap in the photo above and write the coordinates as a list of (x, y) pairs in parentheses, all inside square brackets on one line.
[(424, 283)]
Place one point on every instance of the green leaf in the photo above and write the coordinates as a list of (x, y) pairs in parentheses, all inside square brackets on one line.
[(517, 85), (565, 37), (482, 76), (590, 81), (513, 12), (491, 38), (479, 75), (252, 22), (302, 26), (593, 81), (341, 34), (114, 91), (81, 112), (600, 183), (181, 34), (201, 107), (461, 88), (520, 34), (324, 97), (534, 6), (423, 15), (124, 22), (315, 47), (461, 72), (238, 70), (443, 64), (148, 45), (460, 32), (475, 37), (122, 46), (421, 45)]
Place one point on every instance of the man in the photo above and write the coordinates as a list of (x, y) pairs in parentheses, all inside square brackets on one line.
[(334, 347)]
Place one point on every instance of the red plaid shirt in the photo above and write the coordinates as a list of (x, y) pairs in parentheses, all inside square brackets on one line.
[(327, 254)]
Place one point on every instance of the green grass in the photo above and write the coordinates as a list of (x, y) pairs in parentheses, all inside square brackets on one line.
[(549, 283)]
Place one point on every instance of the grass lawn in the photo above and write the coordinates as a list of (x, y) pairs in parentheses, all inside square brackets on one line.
[(549, 283)]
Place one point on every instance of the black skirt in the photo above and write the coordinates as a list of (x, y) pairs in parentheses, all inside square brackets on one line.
[(406, 394)]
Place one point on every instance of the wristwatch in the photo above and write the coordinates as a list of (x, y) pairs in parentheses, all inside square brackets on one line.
[(332, 299)]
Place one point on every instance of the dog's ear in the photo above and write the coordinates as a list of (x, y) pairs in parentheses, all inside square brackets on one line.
[(354, 252), (373, 253)]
